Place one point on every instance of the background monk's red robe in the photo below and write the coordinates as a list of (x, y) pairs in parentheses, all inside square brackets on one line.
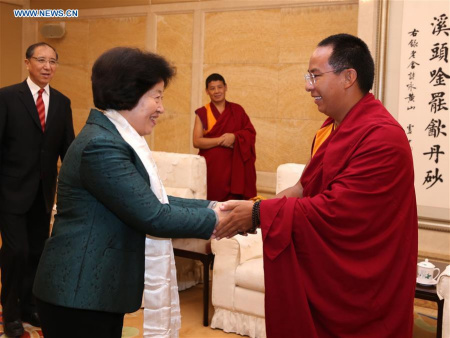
[(231, 172), (341, 262)]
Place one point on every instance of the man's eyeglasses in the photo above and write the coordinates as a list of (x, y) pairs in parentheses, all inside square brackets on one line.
[(43, 61), (311, 78)]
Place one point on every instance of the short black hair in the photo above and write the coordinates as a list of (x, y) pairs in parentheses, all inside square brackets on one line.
[(214, 77), (351, 52), (30, 50), (122, 75)]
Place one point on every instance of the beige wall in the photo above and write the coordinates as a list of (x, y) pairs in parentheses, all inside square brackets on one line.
[(261, 47), (83, 42), (262, 51), (11, 57), (263, 57), (263, 54), (174, 41)]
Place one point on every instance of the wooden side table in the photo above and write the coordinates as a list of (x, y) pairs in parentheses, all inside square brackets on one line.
[(429, 293)]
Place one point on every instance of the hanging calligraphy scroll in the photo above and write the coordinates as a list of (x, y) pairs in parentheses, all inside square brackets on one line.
[(424, 101)]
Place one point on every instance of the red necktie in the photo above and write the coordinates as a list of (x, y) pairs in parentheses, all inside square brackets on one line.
[(41, 108)]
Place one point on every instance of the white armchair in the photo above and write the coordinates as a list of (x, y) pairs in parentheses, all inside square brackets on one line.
[(184, 175), (238, 275), (238, 286)]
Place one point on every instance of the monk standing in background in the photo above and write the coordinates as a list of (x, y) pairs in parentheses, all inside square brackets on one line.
[(226, 139), (340, 246)]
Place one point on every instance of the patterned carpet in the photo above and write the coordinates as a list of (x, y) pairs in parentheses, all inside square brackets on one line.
[(424, 326), (30, 331)]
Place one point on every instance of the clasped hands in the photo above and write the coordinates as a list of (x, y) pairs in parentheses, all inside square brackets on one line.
[(227, 140), (234, 217)]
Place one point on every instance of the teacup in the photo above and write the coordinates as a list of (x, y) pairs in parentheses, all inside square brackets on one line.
[(425, 272)]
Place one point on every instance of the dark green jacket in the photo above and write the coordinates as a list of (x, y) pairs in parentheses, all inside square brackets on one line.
[(95, 257)]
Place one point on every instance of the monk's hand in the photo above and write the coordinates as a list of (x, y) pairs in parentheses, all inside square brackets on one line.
[(238, 221), (228, 140)]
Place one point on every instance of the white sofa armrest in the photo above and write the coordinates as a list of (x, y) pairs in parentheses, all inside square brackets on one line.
[(288, 174), (226, 260), (229, 254), (250, 247)]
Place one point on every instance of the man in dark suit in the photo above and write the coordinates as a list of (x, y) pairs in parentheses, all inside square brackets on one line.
[(35, 129)]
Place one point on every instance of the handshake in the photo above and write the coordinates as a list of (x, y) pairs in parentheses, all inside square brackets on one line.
[(235, 217)]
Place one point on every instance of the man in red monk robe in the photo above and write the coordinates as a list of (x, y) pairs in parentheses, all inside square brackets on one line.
[(226, 138), (340, 247)]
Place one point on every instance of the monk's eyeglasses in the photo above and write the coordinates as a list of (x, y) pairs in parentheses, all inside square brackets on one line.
[(310, 78)]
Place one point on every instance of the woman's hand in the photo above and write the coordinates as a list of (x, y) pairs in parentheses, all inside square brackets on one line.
[(238, 220), (219, 212)]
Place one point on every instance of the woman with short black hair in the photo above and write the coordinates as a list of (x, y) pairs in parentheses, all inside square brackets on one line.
[(109, 197)]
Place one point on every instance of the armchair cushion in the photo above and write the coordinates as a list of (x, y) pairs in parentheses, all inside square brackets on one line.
[(250, 275)]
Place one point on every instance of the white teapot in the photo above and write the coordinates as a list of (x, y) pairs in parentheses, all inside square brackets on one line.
[(425, 273)]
